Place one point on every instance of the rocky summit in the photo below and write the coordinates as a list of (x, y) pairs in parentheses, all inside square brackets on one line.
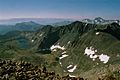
[(21, 70)]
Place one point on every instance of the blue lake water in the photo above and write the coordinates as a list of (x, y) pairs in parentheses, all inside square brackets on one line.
[(24, 43)]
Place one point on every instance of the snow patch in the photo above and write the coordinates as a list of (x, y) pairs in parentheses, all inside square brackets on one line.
[(72, 70), (72, 75), (101, 20), (96, 50), (57, 47), (104, 58), (54, 50), (64, 52), (69, 66), (32, 41), (93, 57), (96, 21), (63, 56), (40, 35), (97, 33), (116, 21), (68, 42), (60, 63), (86, 24), (117, 55), (91, 53), (97, 63)]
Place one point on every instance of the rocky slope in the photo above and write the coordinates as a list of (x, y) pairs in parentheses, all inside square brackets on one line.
[(21, 70)]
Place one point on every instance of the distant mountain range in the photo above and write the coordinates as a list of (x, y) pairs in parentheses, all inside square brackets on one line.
[(63, 23), (30, 24), (43, 21), (100, 20), (55, 21), (23, 26)]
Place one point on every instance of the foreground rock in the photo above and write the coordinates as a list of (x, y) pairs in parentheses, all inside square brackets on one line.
[(20, 70)]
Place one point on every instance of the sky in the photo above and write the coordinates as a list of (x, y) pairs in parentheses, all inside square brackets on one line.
[(75, 9)]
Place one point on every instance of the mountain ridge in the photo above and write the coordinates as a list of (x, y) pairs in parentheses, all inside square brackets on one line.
[(43, 21)]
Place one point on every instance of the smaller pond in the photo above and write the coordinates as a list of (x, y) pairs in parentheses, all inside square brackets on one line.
[(24, 43)]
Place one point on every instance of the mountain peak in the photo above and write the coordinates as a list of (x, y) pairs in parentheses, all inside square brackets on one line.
[(99, 20), (27, 23), (77, 22)]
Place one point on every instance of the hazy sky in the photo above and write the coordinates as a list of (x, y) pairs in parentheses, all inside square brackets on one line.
[(77, 9)]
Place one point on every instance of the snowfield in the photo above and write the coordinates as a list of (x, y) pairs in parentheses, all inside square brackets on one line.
[(69, 66), (57, 47), (91, 53), (104, 58), (64, 52), (72, 76), (72, 70), (32, 41), (63, 56), (68, 42), (97, 33)]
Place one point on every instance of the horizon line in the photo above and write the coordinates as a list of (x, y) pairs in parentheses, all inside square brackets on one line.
[(38, 18), (54, 18)]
